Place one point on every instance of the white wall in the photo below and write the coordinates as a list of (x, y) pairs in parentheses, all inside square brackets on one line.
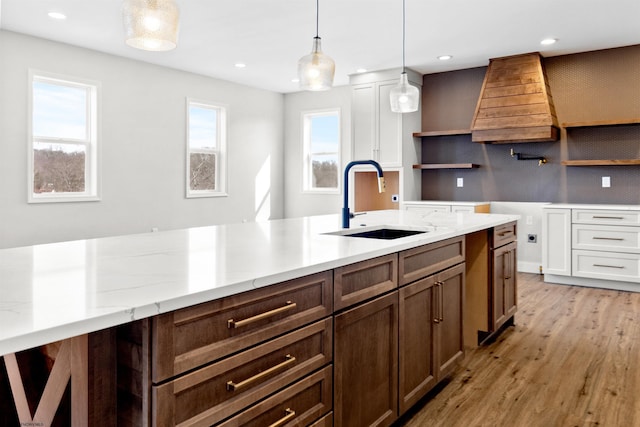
[(530, 222), (298, 203), (143, 118)]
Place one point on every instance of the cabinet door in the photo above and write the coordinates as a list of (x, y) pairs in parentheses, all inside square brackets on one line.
[(504, 284), (363, 112), (556, 241), (416, 319), (389, 127), (366, 364), (449, 332)]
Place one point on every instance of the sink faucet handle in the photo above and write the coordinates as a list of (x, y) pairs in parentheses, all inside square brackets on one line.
[(353, 215)]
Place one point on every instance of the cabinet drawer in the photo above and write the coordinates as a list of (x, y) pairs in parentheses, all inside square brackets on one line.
[(596, 216), (215, 392), (299, 405), (423, 261), (504, 234), (187, 338), (606, 265), (606, 238), (364, 280)]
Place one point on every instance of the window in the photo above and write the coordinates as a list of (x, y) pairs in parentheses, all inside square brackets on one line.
[(206, 143), (63, 139), (321, 130)]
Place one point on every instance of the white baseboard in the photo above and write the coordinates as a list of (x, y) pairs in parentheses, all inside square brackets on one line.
[(528, 267)]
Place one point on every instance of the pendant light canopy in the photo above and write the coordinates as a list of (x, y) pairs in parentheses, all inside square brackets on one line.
[(404, 97), (316, 70), (151, 24)]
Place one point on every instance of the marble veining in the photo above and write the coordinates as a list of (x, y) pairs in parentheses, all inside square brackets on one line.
[(55, 291)]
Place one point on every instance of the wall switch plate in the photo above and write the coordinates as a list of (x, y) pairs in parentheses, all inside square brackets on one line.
[(529, 220), (395, 198), (606, 181), (460, 182)]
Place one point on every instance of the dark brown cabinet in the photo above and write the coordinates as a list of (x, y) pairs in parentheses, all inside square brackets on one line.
[(431, 339), (491, 282), (504, 284), (366, 363)]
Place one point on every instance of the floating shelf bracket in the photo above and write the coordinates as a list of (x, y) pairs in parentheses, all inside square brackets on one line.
[(541, 160)]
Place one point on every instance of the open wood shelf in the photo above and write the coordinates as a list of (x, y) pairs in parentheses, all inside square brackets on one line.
[(633, 121), (610, 162), (442, 133), (446, 166)]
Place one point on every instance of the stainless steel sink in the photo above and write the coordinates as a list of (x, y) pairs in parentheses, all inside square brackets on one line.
[(379, 233)]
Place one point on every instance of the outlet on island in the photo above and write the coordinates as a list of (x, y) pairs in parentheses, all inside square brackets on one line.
[(532, 238)]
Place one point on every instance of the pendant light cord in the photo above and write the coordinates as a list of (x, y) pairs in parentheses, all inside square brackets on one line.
[(403, 33), (318, 16)]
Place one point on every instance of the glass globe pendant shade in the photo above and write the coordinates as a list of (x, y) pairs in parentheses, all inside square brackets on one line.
[(404, 97), (151, 24), (316, 70)]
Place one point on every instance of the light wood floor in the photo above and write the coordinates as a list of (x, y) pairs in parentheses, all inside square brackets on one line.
[(572, 359)]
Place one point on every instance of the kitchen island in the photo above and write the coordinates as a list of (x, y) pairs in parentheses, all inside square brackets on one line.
[(55, 292)]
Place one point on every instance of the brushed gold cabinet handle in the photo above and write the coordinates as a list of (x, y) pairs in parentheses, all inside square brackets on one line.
[(231, 324), (608, 238), (289, 415), (608, 266), (607, 217), (232, 386), (442, 301)]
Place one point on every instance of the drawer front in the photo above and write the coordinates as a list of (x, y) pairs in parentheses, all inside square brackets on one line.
[(462, 209), (213, 393), (364, 280), (586, 216), (416, 263), (425, 209), (185, 339), (302, 404), (606, 265), (606, 238), (504, 234)]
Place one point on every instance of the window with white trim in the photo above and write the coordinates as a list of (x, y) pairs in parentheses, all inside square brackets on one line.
[(63, 142), (321, 161), (206, 146)]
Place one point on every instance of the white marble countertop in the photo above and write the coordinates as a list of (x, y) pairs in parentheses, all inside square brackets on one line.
[(55, 291), (592, 206), (444, 202)]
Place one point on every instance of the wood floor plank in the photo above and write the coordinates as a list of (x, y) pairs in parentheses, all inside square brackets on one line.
[(572, 359)]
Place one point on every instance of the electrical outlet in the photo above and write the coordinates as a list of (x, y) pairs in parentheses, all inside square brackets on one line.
[(532, 238), (460, 182), (606, 181), (395, 198)]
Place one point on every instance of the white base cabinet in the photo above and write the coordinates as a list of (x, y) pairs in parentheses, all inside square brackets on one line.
[(592, 246)]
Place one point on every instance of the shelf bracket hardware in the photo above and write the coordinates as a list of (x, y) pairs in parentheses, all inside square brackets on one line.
[(541, 160)]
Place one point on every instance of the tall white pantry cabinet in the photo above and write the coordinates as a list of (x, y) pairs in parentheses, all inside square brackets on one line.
[(379, 134)]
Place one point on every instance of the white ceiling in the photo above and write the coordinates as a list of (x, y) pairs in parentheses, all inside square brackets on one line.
[(271, 35)]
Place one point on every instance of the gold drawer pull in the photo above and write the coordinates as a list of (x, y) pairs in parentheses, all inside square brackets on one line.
[(505, 233), (231, 324), (608, 266), (608, 238), (289, 415), (231, 386), (607, 217)]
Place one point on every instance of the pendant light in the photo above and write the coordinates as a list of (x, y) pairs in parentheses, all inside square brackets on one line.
[(404, 97), (151, 24), (316, 70)]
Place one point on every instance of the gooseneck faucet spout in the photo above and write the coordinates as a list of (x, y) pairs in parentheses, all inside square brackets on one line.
[(346, 215)]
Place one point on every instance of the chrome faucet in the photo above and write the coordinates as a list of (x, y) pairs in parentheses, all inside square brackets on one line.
[(346, 215)]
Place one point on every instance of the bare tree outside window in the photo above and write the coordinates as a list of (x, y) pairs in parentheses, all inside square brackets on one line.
[(321, 150), (205, 149), (63, 139)]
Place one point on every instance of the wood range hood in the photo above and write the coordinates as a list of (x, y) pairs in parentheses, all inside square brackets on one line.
[(515, 103)]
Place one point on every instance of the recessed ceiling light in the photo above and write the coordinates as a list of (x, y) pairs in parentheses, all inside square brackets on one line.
[(240, 65), (57, 15), (445, 57), (361, 70), (547, 42)]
